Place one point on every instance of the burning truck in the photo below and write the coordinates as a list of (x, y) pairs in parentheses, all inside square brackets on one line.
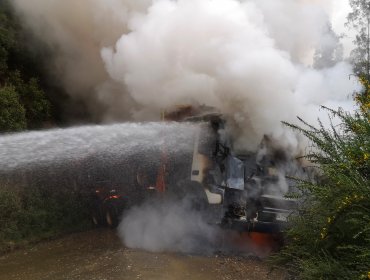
[(236, 191)]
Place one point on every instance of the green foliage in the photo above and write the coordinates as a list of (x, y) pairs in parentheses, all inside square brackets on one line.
[(37, 107), (359, 20), (34, 213), (7, 37), (12, 113), (17, 65), (330, 239)]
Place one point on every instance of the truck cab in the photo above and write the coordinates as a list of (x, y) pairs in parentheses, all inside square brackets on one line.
[(241, 192)]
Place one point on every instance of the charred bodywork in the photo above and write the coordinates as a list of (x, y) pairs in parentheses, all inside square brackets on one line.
[(240, 191)]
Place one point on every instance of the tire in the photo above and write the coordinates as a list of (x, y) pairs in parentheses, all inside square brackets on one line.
[(95, 220), (110, 217), (97, 217)]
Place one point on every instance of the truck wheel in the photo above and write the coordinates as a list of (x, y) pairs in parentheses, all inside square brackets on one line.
[(96, 218), (111, 218)]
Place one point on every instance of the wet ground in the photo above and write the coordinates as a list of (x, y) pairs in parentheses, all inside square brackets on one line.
[(99, 254)]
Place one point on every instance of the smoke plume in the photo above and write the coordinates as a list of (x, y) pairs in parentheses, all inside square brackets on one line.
[(251, 59), (167, 226)]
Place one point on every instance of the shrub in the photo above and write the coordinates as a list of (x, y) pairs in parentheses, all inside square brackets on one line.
[(34, 213), (330, 239)]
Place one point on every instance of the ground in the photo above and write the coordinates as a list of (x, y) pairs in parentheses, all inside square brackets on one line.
[(99, 254)]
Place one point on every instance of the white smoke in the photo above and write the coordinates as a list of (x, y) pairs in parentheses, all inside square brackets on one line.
[(245, 58), (251, 59), (167, 226)]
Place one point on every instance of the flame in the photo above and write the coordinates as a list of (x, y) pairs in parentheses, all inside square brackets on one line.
[(256, 243)]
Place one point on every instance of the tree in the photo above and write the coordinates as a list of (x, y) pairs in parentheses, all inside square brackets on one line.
[(359, 20), (33, 99), (12, 113), (7, 40), (330, 51), (18, 78)]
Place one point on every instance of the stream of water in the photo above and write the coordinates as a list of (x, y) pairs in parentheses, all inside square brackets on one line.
[(60, 146)]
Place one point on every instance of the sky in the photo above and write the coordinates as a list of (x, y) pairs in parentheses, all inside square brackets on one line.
[(340, 11)]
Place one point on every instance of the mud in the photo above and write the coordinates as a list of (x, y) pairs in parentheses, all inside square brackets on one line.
[(99, 254)]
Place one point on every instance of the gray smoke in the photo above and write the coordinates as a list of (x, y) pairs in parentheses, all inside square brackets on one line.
[(167, 225), (250, 59)]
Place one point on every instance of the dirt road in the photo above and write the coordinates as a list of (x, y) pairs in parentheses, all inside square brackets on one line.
[(99, 254)]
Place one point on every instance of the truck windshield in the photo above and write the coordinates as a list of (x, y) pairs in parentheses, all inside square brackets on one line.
[(235, 173)]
